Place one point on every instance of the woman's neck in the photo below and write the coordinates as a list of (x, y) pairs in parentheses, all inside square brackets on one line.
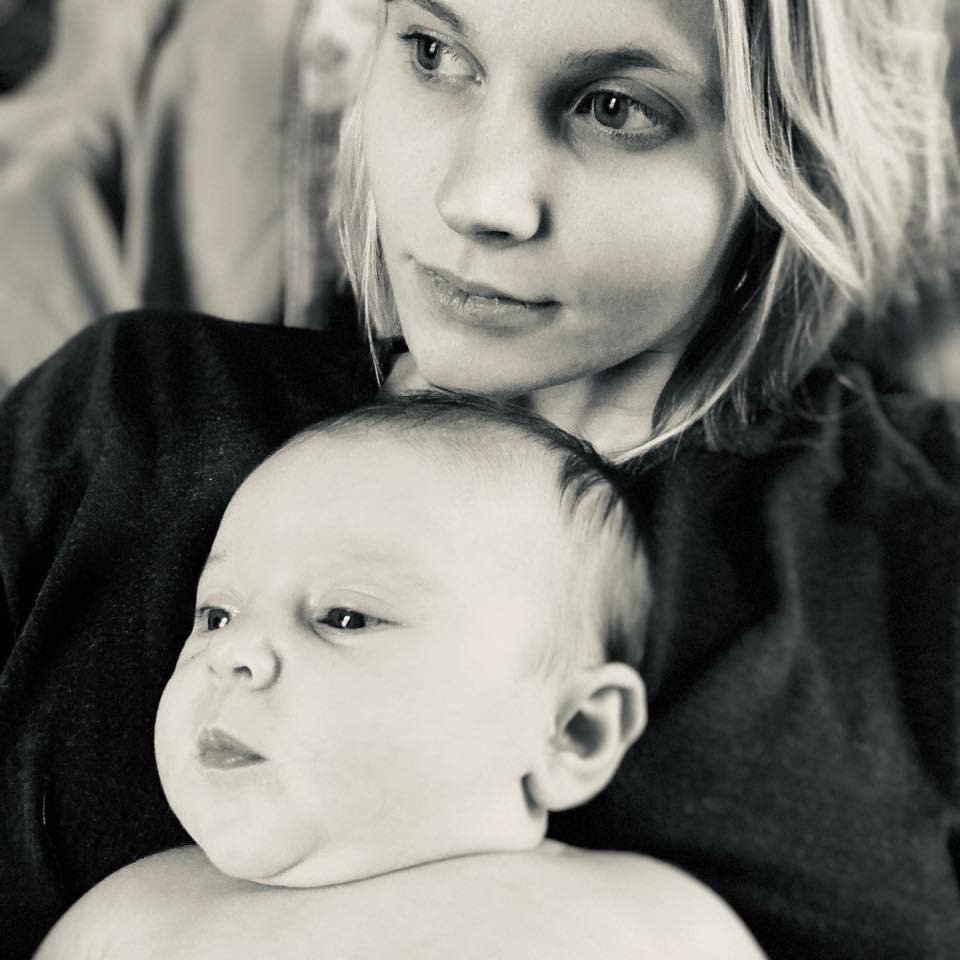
[(613, 409)]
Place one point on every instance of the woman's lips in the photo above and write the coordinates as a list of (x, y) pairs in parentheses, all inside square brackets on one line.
[(220, 751), (479, 304)]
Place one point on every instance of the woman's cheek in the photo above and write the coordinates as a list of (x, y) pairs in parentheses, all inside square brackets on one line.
[(403, 173), (660, 251)]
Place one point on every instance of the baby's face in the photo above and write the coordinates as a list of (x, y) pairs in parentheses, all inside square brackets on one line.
[(357, 693)]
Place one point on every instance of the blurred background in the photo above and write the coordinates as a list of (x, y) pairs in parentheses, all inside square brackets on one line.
[(178, 154)]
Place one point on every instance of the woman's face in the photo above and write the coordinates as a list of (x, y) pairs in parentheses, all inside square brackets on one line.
[(552, 183)]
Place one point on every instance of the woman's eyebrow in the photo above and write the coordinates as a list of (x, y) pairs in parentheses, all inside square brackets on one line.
[(604, 61), (441, 11)]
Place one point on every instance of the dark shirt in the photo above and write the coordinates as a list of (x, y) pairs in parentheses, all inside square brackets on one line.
[(802, 667)]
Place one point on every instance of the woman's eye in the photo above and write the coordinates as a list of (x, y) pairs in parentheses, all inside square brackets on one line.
[(625, 116), (435, 60), (609, 109), (343, 618), (212, 618)]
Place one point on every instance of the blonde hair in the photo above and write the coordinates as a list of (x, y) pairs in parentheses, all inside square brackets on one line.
[(837, 121)]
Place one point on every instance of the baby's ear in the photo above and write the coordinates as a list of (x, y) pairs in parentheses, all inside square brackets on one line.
[(600, 712)]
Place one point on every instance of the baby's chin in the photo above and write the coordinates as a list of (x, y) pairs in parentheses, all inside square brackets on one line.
[(318, 868), (303, 872), (275, 865), (295, 847), (326, 864)]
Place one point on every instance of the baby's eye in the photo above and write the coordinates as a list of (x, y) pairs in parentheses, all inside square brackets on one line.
[(212, 618), (625, 116), (343, 618), (433, 59), (429, 52)]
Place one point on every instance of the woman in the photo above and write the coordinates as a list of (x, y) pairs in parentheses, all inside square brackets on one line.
[(661, 225)]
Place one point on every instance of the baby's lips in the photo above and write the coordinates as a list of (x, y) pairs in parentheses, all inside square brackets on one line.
[(217, 748)]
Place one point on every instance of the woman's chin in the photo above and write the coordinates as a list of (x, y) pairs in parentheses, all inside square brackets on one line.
[(430, 369)]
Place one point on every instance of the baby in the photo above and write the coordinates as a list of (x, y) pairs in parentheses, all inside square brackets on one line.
[(413, 640)]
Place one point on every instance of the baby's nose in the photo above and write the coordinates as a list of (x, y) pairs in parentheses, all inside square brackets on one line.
[(240, 657)]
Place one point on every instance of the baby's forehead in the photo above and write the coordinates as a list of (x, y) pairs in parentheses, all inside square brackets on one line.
[(479, 474), (359, 504)]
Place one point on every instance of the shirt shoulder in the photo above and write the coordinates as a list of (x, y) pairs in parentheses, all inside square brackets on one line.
[(152, 372)]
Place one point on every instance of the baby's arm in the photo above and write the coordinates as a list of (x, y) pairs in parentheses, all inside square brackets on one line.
[(554, 903)]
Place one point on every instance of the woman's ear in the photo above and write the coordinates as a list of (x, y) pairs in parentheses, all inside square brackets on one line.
[(600, 712)]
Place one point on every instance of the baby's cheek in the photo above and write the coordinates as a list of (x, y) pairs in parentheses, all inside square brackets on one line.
[(174, 729), (192, 649)]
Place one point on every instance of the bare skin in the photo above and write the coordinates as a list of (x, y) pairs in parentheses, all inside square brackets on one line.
[(509, 906)]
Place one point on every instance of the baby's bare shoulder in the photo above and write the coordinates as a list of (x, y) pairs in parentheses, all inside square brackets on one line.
[(563, 902), (131, 912), (662, 911), (555, 902)]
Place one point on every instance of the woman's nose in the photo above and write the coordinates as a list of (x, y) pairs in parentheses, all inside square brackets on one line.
[(241, 655), (494, 189)]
